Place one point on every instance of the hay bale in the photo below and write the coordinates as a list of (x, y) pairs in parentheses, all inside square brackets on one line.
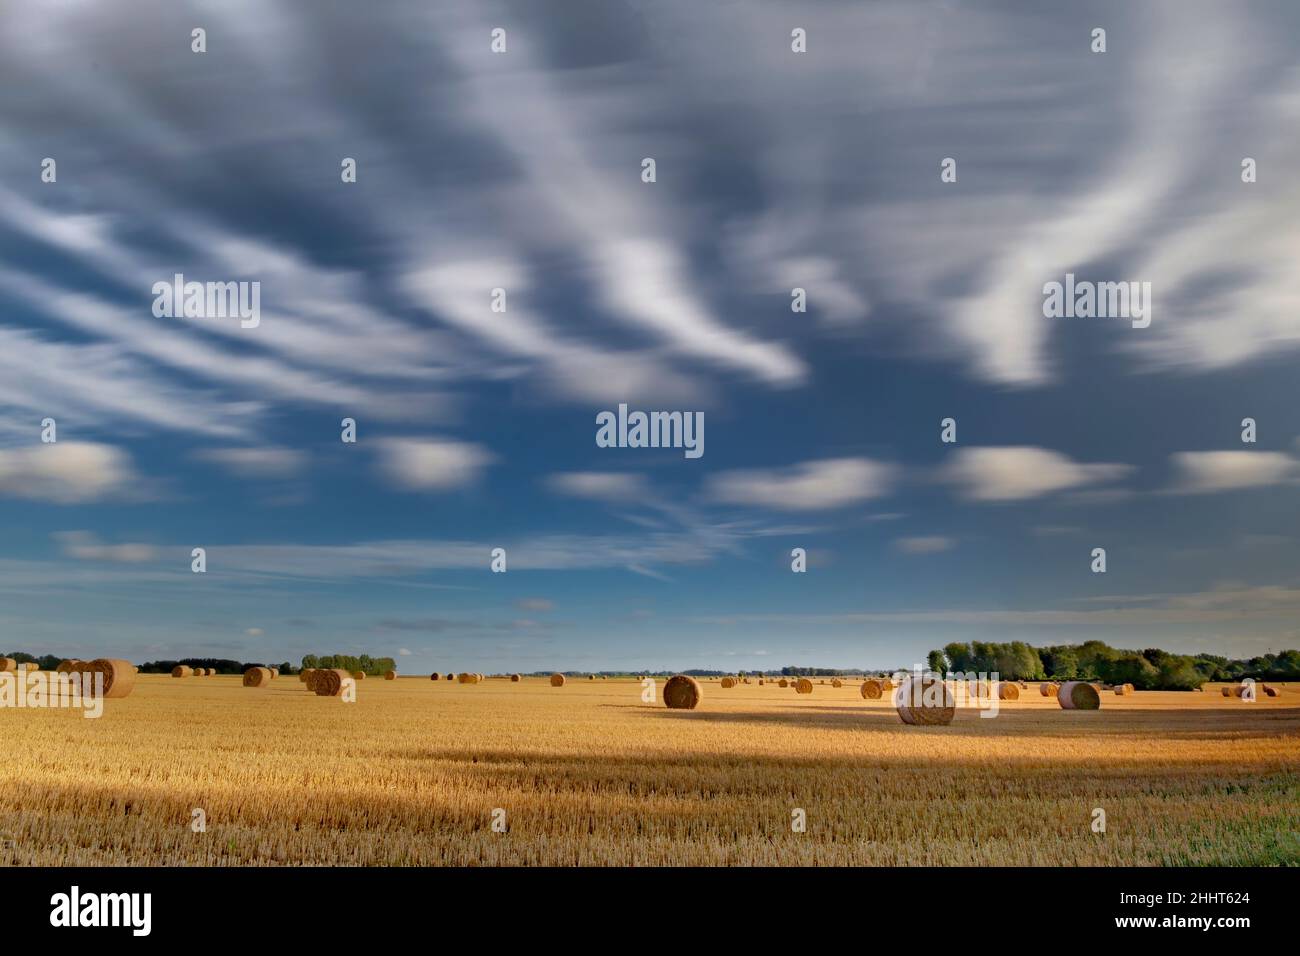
[(1008, 691), (837, 683), (1078, 695), (591, 677), (760, 682), (257, 677), (328, 681), (516, 678), (872, 689), (1123, 690), (470, 678), (803, 686), (1047, 688), (303, 674), (275, 672), (682, 692), (557, 680), (728, 683), (783, 683), (119, 675), (390, 675), (924, 702), (1270, 691), (8, 664), (182, 670), (66, 667), (358, 675)]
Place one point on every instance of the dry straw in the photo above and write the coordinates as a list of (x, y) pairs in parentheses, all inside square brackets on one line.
[(182, 670), (328, 681), (1008, 691), (390, 675), (275, 672), (925, 702), (682, 692), (837, 683), (557, 680), (1047, 688), (1078, 695), (257, 677), (8, 664), (470, 678), (803, 686), (358, 675), (872, 689), (515, 678), (728, 683), (304, 675), (783, 683), (66, 667), (1270, 691), (119, 675)]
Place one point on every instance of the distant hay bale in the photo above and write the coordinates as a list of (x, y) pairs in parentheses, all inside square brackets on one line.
[(257, 677), (557, 680), (8, 664), (803, 685), (328, 681), (275, 672), (434, 676), (358, 675), (119, 675), (1008, 691), (1123, 690), (837, 683), (182, 670), (925, 702), (760, 682), (682, 692), (65, 667), (211, 672), (1078, 695), (470, 678), (783, 683), (1270, 691), (516, 678), (1047, 688), (591, 677), (872, 689), (390, 675), (728, 683)]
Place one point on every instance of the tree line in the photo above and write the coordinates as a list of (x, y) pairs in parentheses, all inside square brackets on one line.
[(1149, 669), (370, 666)]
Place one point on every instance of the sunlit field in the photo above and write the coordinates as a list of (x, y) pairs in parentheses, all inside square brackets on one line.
[(588, 774)]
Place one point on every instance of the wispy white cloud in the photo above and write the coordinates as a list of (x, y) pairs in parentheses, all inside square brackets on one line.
[(1018, 472), (264, 462), (810, 486), (1205, 472), (425, 464), (924, 544), (66, 472)]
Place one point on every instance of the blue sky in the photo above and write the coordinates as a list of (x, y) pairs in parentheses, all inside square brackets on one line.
[(477, 429)]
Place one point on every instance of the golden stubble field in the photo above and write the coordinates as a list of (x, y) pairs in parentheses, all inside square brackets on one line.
[(587, 774)]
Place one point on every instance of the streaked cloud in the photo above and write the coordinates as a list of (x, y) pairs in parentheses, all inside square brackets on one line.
[(811, 486), (66, 472), (1206, 472), (426, 464), (1020, 472)]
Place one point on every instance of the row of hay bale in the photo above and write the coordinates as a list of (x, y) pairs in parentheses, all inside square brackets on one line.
[(119, 675), (182, 670), (9, 665), (1239, 690)]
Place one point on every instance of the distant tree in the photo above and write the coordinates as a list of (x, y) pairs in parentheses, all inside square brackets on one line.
[(936, 662)]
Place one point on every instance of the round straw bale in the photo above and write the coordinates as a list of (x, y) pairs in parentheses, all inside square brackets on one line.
[(1270, 691), (257, 677), (924, 701), (8, 664), (182, 670), (837, 683), (682, 692), (557, 680), (872, 689), (65, 667), (591, 677), (783, 683), (390, 675), (803, 685), (302, 674), (275, 672), (1008, 691), (1078, 695), (470, 678), (119, 675), (358, 675), (516, 678), (760, 682), (728, 683), (1227, 691), (1047, 688), (328, 681)]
